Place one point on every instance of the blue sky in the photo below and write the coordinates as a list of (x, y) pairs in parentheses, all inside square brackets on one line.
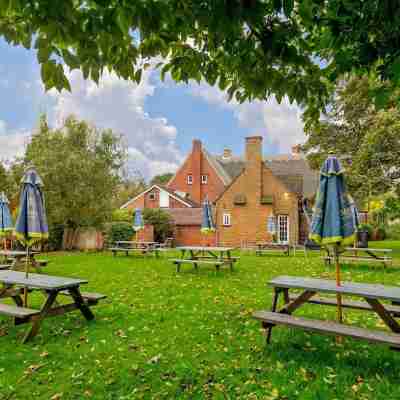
[(158, 119)]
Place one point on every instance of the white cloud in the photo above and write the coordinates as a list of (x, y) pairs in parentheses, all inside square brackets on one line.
[(12, 144), (281, 123), (119, 105), (2, 127)]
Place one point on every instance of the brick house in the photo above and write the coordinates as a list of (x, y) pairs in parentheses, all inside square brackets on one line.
[(265, 197), (251, 195)]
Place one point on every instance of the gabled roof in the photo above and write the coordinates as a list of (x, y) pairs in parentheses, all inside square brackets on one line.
[(186, 202), (293, 170)]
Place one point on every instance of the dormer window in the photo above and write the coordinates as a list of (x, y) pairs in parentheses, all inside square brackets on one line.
[(190, 179), (204, 179)]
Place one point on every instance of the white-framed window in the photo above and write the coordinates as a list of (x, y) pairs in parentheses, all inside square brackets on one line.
[(190, 179), (152, 196), (226, 219), (164, 199), (283, 229), (204, 179), (271, 224)]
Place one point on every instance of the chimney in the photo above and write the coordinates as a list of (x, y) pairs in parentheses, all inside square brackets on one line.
[(254, 148), (296, 150), (227, 153), (196, 145), (196, 168)]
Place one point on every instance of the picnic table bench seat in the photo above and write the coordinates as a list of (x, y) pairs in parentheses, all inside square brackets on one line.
[(91, 297), (269, 318), (17, 312), (179, 261), (5, 266)]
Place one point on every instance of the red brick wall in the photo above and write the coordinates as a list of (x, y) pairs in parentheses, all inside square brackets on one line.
[(190, 235), (144, 201), (146, 234), (196, 165)]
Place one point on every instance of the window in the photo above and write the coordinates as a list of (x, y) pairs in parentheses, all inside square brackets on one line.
[(283, 228), (152, 196), (204, 179), (190, 179), (164, 199), (271, 226), (226, 219)]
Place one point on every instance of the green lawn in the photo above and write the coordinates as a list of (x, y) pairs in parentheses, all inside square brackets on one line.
[(160, 335)]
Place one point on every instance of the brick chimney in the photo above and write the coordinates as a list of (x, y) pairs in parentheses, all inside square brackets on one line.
[(254, 168), (254, 149), (227, 153), (195, 189), (296, 150)]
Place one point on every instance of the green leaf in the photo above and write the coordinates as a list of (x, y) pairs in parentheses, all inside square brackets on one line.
[(288, 6)]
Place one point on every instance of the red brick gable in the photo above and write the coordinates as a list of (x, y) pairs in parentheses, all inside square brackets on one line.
[(150, 198), (196, 165)]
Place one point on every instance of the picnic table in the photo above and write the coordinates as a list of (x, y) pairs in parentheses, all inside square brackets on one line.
[(361, 254), (208, 255), (128, 246), (13, 283), (14, 258), (371, 295), (267, 247)]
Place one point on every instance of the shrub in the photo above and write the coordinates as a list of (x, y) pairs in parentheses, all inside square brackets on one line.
[(56, 232), (379, 233), (161, 222), (119, 231), (393, 231), (366, 227), (121, 215)]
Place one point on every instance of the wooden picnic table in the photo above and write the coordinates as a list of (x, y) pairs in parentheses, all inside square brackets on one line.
[(371, 295), (13, 283), (267, 247), (129, 246), (361, 254), (211, 255), (14, 259)]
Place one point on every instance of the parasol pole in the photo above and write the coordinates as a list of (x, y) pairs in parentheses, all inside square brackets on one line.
[(26, 276), (338, 295)]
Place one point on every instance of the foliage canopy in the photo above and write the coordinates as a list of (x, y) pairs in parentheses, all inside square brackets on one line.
[(366, 138), (80, 168), (251, 48)]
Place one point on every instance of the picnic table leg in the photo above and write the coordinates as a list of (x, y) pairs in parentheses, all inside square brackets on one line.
[(230, 260), (273, 309), (80, 303), (37, 319), (386, 317)]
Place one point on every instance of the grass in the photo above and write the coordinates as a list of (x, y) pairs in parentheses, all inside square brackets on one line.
[(162, 335)]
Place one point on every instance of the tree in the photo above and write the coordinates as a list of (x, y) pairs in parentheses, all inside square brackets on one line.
[(162, 179), (366, 138), (129, 188), (161, 222), (251, 48), (4, 180), (80, 168)]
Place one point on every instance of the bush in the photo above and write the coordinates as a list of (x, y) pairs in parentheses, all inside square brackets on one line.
[(56, 232), (161, 221), (393, 231), (366, 228), (379, 233), (119, 231), (122, 215)]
